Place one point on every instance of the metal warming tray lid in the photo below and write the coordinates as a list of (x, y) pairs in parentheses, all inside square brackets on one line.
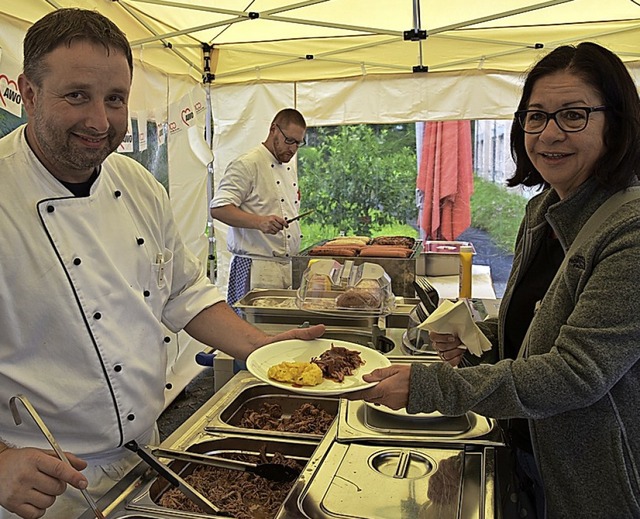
[(358, 422), (376, 481)]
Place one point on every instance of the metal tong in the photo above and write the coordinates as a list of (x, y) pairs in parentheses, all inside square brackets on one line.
[(174, 478), (52, 441), (271, 471)]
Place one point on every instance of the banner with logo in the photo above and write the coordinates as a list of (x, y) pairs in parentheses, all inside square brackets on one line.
[(126, 146), (10, 98)]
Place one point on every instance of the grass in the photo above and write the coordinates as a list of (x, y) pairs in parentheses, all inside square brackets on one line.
[(497, 211)]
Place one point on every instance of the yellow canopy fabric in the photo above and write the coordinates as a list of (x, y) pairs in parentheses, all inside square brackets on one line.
[(289, 40)]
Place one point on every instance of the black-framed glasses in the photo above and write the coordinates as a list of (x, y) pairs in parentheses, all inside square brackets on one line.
[(289, 140), (574, 119)]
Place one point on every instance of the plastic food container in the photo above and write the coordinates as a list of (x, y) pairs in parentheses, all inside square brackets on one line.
[(440, 258), (329, 286)]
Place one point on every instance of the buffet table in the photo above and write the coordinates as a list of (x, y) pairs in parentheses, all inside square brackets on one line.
[(444, 468)]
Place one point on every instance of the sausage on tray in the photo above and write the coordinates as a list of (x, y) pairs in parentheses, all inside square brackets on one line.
[(385, 251)]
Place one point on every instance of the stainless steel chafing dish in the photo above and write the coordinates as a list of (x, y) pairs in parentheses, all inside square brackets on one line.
[(401, 270), (279, 307), (245, 392), (360, 422), (148, 496), (366, 466)]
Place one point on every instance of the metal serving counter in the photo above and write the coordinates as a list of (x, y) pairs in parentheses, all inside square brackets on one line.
[(368, 465)]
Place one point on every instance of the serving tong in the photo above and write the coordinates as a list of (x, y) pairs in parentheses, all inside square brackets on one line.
[(52, 441), (271, 471)]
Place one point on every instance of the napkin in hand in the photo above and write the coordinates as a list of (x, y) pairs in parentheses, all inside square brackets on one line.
[(455, 318)]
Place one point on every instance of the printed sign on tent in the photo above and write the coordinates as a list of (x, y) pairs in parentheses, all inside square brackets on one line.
[(126, 146), (10, 98), (182, 115), (142, 130), (162, 137)]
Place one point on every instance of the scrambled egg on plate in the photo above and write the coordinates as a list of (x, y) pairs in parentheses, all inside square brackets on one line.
[(300, 373)]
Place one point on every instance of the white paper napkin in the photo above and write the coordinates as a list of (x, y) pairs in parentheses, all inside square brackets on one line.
[(456, 318)]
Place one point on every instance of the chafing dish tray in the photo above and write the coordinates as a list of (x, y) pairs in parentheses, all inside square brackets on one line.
[(358, 422), (279, 306), (147, 499), (246, 393), (401, 270), (374, 481)]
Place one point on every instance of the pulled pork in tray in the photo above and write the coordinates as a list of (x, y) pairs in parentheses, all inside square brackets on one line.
[(308, 418), (242, 495), (338, 362)]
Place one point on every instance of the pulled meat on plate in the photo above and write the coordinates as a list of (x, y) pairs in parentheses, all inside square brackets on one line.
[(308, 418), (240, 494), (338, 362)]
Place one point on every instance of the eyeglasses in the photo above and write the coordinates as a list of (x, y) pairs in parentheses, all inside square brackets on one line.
[(289, 140), (568, 119)]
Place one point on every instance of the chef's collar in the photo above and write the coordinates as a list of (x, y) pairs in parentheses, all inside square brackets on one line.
[(82, 189)]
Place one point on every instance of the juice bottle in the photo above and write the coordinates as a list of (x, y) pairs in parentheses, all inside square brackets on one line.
[(466, 262)]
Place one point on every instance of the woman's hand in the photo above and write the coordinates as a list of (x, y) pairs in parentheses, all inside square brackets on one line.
[(392, 389), (448, 347)]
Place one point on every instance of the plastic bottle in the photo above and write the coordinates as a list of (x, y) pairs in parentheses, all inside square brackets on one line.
[(466, 262)]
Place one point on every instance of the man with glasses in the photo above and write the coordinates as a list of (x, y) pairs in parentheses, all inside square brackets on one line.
[(257, 196)]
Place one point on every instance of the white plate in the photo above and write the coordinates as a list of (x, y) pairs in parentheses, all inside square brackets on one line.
[(259, 362), (402, 412)]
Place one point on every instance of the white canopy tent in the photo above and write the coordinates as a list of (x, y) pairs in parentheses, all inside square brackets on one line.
[(337, 61)]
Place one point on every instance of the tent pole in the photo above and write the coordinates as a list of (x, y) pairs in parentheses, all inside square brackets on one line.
[(207, 78)]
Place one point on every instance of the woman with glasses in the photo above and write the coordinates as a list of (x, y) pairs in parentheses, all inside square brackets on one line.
[(257, 196), (565, 364)]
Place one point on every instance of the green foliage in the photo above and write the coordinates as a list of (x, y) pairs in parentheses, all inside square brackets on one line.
[(358, 178), (497, 211)]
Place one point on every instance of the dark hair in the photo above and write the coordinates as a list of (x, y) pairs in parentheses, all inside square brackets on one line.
[(62, 27), (289, 116), (604, 71)]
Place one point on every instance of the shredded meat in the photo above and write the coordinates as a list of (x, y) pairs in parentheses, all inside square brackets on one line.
[(308, 418), (241, 495), (338, 362)]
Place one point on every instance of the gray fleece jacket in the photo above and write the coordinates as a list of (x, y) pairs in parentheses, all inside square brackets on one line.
[(579, 386)]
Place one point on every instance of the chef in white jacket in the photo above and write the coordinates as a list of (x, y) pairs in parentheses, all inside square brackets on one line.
[(257, 196), (92, 264)]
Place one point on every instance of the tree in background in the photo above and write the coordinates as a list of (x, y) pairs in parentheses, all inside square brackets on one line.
[(359, 178)]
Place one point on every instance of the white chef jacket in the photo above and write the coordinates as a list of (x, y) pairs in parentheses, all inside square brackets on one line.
[(84, 285), (257, 183)]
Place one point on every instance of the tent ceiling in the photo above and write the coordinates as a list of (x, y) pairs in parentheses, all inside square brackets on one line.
[(288, 40)]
